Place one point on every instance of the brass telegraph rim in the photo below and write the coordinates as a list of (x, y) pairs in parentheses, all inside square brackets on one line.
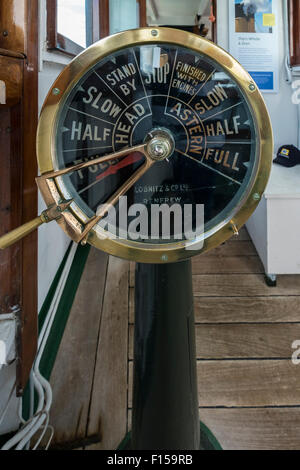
[(171, 252)]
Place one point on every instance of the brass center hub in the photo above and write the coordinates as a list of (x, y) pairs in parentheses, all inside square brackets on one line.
[(160, 144)]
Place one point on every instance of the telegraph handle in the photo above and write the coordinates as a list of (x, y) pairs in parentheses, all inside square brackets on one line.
[(53, 212), (20, 232)]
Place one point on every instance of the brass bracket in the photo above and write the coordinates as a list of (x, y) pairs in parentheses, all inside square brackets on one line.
[(234, 228), (54, 212)]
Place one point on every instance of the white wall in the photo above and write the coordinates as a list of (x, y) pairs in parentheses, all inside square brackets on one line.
[(280, 106), (52, 242)]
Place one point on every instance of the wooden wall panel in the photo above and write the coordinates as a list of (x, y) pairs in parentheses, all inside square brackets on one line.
[(13, 14), (11, 70), (11, 73), (28, 327), (19, 40)]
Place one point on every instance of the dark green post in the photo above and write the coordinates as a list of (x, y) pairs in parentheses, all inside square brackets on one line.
[(165, 412)]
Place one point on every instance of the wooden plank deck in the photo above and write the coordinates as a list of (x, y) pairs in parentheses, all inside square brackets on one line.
[(249, 390), (248, 386), (72, 376), (241, 341), (89, 379)]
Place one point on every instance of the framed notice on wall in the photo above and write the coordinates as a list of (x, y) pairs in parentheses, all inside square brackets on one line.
[(254, 40)]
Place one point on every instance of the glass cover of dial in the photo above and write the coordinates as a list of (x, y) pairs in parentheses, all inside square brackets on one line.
[(136, 92)]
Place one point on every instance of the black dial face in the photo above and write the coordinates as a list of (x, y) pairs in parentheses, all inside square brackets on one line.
[(138, 92)]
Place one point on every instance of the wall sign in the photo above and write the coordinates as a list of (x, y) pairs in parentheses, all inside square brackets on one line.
[(253, 40)]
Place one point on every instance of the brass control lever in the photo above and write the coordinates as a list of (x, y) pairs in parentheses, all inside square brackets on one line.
[(151, 152), (53, 212)]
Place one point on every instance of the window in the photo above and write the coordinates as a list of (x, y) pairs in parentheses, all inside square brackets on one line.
[(73, 25), (72, 19)]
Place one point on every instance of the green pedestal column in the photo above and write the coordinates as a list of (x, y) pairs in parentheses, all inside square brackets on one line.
[(165, 412)]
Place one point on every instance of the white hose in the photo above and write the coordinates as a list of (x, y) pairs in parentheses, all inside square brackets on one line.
[(41, 385)]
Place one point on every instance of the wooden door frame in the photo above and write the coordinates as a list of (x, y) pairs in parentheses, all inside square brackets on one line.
[(143, 13), (294, 30), (104, 18)]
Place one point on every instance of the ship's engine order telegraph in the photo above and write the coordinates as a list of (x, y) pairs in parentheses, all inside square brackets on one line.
[(154, 145)]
